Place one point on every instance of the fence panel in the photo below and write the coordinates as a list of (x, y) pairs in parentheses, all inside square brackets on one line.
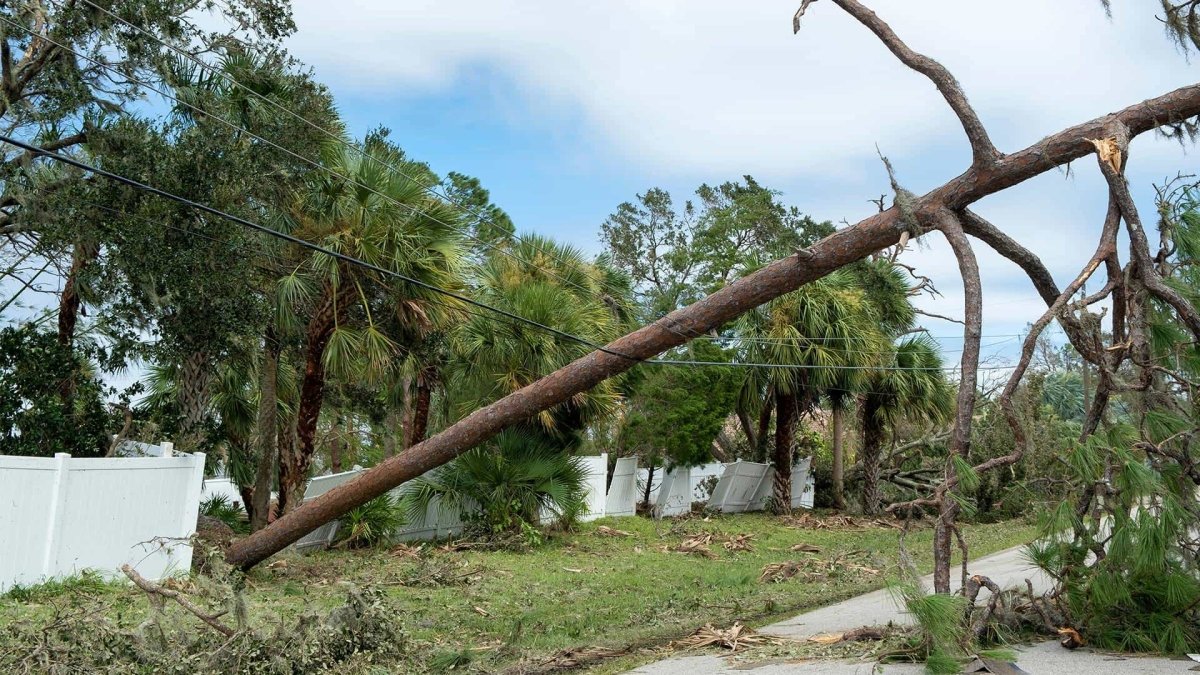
[(597, 477), (622, 491), (675, 494), (61, 515)]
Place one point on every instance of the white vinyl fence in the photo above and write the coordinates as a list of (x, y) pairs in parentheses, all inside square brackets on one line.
[(61, 515), (622, 491), (741, 486)]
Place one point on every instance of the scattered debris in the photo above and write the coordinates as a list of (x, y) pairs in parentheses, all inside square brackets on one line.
[(571, 659), (698, 544), (739, 542), (806, 548), (780, 571), (1071, 639), (733, 638), (480, 611), (406, 551), (810, 568), (808, 521), (612, 532), (857, 635)]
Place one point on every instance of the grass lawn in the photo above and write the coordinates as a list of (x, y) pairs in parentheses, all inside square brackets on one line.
[(502, 610)]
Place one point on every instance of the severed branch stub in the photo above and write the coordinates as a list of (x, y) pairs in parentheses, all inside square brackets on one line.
[(154, 589)]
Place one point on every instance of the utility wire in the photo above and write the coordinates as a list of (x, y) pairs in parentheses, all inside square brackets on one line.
[(336, 137), (38, 151)]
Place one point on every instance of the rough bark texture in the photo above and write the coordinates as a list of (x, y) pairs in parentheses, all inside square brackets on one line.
[(786, 405), (266, 433), (418, 423), (870, 456), (294, 459), (839, 249), (960, 434), (194, 395), (839, 460)]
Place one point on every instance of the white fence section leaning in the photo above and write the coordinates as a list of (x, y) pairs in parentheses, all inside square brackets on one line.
[(675, 494), (61, 515), (622, 491), (597, 478)]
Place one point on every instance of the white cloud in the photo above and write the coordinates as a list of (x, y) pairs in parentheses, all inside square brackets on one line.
[(690, 90), (706, 85)]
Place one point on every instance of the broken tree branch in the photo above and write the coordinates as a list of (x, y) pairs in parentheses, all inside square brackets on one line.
[(154, 589), (982, 150), (841, 248)]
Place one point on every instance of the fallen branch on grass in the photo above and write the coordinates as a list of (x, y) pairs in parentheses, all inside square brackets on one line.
[(156, 590)]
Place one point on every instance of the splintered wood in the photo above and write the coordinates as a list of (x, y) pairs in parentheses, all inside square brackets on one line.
[(733, 638)]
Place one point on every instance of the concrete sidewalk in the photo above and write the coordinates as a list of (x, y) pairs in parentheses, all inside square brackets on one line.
[(1007, 568)]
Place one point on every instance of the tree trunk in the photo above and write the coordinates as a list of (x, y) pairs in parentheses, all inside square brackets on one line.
[(785, 431), (69, 303), (335, 446), (837, 250), (747, 428), (764, 425), (839, 460), (266, 432), (295, 459), (418, 423), (649, 483), (390, 424), (194, 395), (870, 455)]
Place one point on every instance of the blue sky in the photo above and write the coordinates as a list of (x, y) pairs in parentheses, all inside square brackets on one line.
[(564, 110)]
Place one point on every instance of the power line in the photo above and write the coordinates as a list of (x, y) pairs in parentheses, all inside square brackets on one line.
[(294, 240), (427, 189), (38, 151)]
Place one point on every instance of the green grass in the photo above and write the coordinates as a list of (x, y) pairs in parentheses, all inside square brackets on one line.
[(580, 589)]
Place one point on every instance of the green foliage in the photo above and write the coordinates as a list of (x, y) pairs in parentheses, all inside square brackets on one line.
[(372, 524), (943, 642), (501, 489), (1143, 592), (36, 418), (230, 513), (675, 256), (677, 412)]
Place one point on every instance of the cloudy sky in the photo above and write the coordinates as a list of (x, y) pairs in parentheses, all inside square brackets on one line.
[(565, 109)]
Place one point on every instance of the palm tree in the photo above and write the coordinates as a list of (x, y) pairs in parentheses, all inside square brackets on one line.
[(888, 290), (818, 336), (385, 218), (910, 384), (556, 286)]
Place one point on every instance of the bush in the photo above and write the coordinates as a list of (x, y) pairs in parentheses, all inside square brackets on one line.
[(372, 524), (501, 489), (230, 513)]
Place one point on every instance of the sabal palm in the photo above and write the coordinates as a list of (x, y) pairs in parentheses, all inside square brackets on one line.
[(910, 384), (554, 285), (821, 337), (387, 219)]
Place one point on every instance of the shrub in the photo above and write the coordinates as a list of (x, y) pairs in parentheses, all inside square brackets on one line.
[(372, 524), (230, 513), (502, 489)]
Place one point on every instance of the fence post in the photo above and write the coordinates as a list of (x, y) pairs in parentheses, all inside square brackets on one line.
[(58, 499), (168, 449)]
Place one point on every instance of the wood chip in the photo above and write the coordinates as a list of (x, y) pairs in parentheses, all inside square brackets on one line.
[(611, 532)]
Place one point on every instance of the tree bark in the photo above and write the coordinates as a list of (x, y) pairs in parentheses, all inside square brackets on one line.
[(335, 446), (296, 458), (870, 456), (649, 484), (194, 396), (266, 432), (785, 432), (764, 425), (390, 424), (835, 251), (747, 427), (69, 304), (418, 424), (839, 459)]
